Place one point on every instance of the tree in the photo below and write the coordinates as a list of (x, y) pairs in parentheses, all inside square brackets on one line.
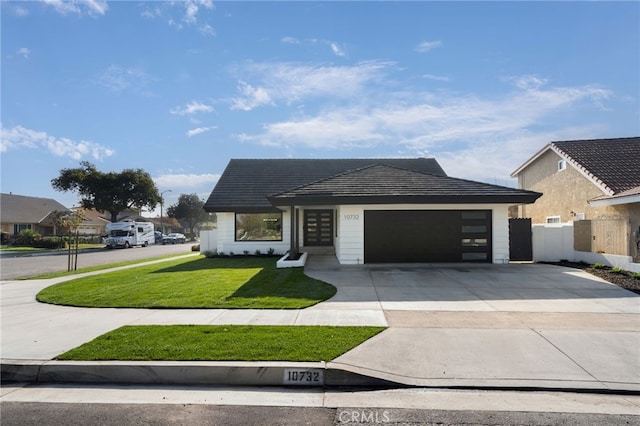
[(189, 210), (112, 192)]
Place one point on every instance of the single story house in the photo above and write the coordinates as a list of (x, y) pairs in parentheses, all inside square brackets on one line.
[(363, 210), (20, 212), (593, 184)]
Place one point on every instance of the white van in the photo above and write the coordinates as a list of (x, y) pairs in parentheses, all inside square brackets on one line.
[(129, 234)]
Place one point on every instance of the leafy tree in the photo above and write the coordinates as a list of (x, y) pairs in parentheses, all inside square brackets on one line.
[(189, 210), (112, 192)]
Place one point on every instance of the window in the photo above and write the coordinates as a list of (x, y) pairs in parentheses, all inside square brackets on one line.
[(21, 227), (553, 219), (562, 165), (474, 229), (473, 214), (474, 256), (474, 242), (580, 216), (258, 226)]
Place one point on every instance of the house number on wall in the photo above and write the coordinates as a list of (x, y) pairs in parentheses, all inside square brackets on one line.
[(351, 217)]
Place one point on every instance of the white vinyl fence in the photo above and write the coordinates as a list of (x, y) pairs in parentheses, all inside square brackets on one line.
[(554, 242)]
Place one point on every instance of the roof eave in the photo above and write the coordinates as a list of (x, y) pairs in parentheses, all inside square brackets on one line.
[(615, 201), (526, 164), (419, 199)]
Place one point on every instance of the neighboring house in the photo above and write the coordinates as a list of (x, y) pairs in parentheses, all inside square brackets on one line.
[(19, 212), (94, 222), (363, 210), (593, 183)]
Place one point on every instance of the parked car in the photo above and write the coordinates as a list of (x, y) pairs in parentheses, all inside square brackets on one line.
[(159, 236), (173, 238)]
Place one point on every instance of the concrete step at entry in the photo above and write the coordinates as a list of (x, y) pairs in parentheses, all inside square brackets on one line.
[(321, 250)]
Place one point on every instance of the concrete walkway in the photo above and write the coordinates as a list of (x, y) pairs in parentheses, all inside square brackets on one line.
[(489, 326)]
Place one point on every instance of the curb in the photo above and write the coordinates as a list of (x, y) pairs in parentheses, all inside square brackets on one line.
[(307, 374)]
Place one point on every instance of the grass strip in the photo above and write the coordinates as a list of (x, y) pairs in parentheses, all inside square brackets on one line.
[(101, 267), (222, 343), (251, 282)]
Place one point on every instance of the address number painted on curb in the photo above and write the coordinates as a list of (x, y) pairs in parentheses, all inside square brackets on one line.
[(298, 376)]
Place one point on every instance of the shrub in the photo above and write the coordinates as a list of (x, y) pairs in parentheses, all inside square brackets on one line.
[(636, 275), (27, 237), (271, 251), (258, 253), (245, 252), (617, 270), (50, 243), (209, 254), (597, 266)]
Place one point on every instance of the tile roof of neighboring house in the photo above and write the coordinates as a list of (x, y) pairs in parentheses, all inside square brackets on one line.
[(611, 164), (382, 184), (245, 184), (24, 209)]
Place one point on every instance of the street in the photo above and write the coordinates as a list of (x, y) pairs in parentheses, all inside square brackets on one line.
[(59, 404), (23, 266)]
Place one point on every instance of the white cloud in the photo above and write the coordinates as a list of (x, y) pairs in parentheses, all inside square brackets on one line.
[(185, 180), (24, 52), (290, 40), (192, 7), (20, 137), (207, 29), (292, 82), (488, 132), (200, 130), (250, 97), (79, 7), (189, 14), (336, 48), (117, 78), (426, 46), (191, 108)]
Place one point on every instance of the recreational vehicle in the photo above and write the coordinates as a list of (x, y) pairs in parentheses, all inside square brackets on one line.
[(129, 234)]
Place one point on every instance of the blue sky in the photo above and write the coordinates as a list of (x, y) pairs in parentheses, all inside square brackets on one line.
[(179, 88)]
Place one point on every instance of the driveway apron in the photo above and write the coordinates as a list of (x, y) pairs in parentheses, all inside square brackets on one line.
[(483, 325)]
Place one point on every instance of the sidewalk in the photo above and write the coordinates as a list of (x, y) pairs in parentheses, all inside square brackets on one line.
[(588, 337)]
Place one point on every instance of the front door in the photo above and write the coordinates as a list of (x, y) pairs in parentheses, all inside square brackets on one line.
[(318, 227)]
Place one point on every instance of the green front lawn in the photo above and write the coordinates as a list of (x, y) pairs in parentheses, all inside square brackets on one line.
[(246, 282), (222, 343)]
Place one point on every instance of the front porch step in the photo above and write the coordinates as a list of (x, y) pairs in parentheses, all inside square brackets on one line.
[(319, 250)]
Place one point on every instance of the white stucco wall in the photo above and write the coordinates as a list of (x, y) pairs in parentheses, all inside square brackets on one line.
[(350, 246), (226, 237)]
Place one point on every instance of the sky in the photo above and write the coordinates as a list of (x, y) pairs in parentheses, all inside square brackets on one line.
[(179, 88)]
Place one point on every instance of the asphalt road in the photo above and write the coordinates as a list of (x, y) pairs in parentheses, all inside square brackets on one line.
[(37, 413), (22, 266)]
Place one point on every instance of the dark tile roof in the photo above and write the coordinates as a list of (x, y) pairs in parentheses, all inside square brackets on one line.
[(245, 184), (614, 163), (24, 209), (382, 184)]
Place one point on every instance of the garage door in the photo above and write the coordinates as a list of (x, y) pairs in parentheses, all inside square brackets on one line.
[(427, 236)]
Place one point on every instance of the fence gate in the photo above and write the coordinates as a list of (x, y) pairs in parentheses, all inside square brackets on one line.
[(520, 242)]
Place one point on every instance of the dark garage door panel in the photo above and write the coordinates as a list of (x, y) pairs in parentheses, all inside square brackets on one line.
[(422, 236)]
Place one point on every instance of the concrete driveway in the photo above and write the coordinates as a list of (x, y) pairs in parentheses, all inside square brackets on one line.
[(517, 325)]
